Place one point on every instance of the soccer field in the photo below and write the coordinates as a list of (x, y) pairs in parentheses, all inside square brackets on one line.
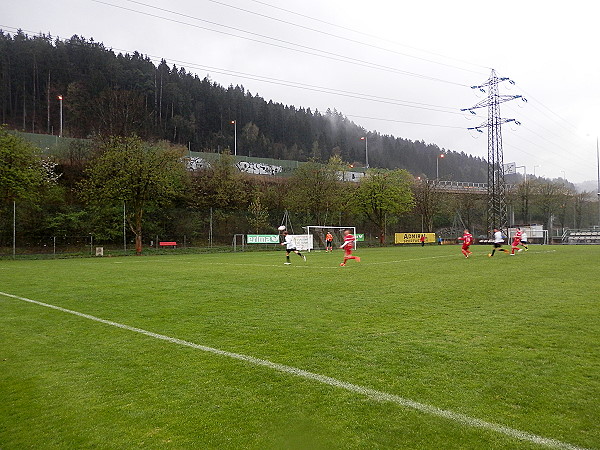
[(411, 348)]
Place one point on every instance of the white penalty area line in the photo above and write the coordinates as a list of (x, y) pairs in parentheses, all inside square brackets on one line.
[(373, 394)]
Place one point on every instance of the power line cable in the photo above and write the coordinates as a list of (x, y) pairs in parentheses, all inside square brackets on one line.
[(351, 94), (543, 157), (315, 88), (558, 119), (552, 112), (404, 121), (550, 142), (337, 36), (548, 130), (353, 30), (301, 48), (530, 97)]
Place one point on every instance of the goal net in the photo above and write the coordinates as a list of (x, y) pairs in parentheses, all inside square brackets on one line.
[(535, 234), (319, 233)]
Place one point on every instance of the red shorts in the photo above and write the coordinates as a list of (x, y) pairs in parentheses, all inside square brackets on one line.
[(348, 251), (516, 242), (466, 247)]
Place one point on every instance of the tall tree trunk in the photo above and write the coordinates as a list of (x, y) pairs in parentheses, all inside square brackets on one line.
[(138, 242), (160, 100), (34, 100), (48, 105), (24, 107), (138, 231), (154, 116), (9, 92)]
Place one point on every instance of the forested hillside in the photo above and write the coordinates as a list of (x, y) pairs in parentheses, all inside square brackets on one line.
[(122, 94)]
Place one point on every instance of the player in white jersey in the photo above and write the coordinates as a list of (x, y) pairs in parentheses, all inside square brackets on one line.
[(498, 241), (523, 242), (290, 246)]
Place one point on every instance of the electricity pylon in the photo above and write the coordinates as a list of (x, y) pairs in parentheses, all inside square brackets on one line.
[(497, 215)]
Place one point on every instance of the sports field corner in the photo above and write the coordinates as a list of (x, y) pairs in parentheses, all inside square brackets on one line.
[(410, 348)]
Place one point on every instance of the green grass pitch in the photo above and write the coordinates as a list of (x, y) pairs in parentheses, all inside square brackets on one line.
[(513, 340)]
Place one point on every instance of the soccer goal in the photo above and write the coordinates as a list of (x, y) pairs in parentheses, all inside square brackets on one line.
[(319, 233), (535, 234)]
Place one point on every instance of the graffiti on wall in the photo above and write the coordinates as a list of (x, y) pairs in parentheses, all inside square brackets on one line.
[(258, 168), (196, 163)]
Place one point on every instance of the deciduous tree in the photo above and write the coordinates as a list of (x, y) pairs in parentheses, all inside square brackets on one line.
[(315, 190), (21, 172), (381, 195), (137, 173), (428, 202)]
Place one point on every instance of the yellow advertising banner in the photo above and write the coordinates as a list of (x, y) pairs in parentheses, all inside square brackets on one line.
[(414, 238)]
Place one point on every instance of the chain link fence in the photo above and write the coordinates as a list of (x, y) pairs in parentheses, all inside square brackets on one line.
[(174, 230)]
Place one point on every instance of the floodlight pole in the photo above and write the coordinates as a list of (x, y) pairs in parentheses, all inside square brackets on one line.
[(437, 166), (60, 102), (234, 122), (366, 139)]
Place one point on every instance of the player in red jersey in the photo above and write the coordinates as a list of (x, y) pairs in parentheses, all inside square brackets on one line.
[(516, 242), (348, 246), (467, 239)]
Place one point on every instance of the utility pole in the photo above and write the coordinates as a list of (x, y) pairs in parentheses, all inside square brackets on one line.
[(497, 214)]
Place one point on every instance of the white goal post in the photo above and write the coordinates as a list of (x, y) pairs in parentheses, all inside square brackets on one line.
[(318, 234)]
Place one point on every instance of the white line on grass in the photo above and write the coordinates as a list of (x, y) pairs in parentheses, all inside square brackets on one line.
[(457, 255), (332, 267), (410, 259), (300, 264), (373, 394)]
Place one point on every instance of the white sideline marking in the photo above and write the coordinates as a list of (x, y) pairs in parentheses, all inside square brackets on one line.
[(373, 394)]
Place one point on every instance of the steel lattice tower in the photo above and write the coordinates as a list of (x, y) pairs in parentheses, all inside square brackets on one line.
[(497, 215)]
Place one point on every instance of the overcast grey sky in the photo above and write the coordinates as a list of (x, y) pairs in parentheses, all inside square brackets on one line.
[(548, 48)]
